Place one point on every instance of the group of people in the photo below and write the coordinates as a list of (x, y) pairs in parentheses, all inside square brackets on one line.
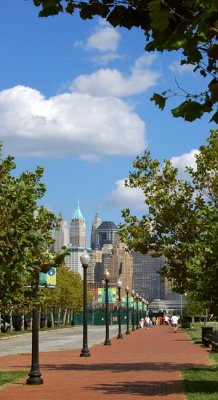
[(166, 320)]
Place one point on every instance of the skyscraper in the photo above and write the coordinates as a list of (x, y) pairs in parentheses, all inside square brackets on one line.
[(78, 229), (95, 225), (61, 236), (105, 233), (147, 281)]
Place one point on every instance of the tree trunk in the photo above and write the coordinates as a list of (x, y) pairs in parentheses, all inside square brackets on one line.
[(59, 316), (52, 317), (22, 322), (65, 316), (11, 320)]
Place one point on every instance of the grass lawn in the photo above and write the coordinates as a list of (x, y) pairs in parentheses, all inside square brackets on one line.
[(11, 376), (201, 383)]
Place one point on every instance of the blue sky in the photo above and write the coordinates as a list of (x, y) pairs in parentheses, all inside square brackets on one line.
[(74, 98)]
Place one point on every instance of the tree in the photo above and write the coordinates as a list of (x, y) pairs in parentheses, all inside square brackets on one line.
[(169, 25), (25, 231), (68, 294), (68, 291), (181, 221), (193, 307)]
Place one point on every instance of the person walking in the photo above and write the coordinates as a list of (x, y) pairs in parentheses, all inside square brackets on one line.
[(147, 322), (174, 322), (142, 322)]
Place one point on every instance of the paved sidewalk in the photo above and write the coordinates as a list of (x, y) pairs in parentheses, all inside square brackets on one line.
[(145, 364)]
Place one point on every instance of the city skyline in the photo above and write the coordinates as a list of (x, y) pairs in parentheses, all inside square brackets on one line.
[(75, 98)]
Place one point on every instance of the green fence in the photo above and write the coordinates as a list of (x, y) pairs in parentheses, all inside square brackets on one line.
[(97, 317)]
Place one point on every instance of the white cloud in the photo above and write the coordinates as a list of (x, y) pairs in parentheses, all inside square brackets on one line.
[(133, 198), (185, 160), (104, 39), (106, 58), (111, 82), (181, 69), (125, 197), (69, 123)]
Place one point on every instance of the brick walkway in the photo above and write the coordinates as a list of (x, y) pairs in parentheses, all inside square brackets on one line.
[(145, 364)]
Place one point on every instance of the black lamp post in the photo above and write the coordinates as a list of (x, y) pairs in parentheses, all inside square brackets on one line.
[(133, 316), (127, 310), (119, 285), (137, 311), (85, 259), (35, 374), (146, 303), (107, 341), (140, 308), (143, 307)]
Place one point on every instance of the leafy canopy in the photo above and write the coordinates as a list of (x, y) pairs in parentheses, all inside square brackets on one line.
[(25, 231), (181, 220), (169, 25)]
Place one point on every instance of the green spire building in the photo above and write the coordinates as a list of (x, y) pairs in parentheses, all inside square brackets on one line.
[(78, 229)]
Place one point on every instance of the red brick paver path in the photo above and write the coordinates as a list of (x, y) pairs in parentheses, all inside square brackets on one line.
[(145, 364)]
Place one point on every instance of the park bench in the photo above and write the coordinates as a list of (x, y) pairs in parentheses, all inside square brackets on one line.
[(186, 323), (211, 340)]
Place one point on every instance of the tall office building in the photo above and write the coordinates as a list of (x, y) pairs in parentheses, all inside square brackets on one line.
[(73, 259), (61, 236), (95, 225), (105, 233), (78, 229), (147, 282)]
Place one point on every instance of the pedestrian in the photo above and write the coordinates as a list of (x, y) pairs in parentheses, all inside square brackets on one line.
[(142, 322), (174, 322), (147, 322)]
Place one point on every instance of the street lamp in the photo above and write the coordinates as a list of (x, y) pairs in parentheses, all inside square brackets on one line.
[(133, 316), (137, 311), (35, 374), (85, 259), (119, 285), (146, 303), (127, 310), (106, 276), (143, 307), (140, 308)]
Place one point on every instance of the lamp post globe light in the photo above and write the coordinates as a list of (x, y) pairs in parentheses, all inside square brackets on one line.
[(119, 285), (127, 310), (35, 374), (137, 311), (106, 276), (133, 316), (85, 259)]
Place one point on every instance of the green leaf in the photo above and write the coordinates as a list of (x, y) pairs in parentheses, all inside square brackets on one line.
[(190, 110), (159, 100)]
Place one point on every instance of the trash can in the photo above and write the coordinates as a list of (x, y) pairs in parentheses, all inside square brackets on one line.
[(204, 331)]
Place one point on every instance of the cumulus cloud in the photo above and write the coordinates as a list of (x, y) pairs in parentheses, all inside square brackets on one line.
[(181, 69), (125, 197), (70, 123), (185, 160), (133, 198), (104, 39), (111, 82)]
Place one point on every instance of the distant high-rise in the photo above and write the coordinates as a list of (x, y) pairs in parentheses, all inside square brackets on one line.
[(61, 236), (95, 225), (105, 233), (147, 281), (78, 229)]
